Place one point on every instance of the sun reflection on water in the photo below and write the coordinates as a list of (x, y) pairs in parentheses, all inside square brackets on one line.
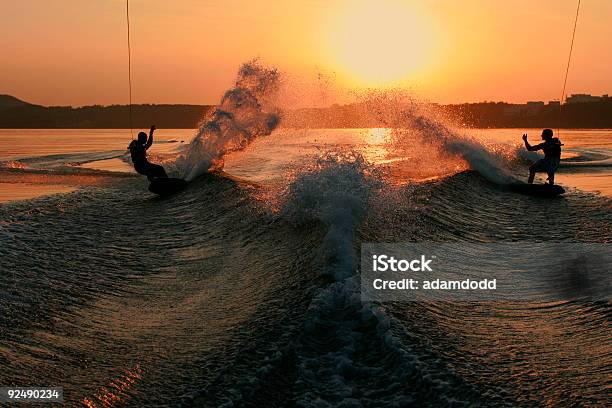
[(116, 391)]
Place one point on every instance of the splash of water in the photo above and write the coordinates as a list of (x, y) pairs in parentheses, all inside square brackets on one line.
[(480, 159), (411, 119), (335, 191), (339, 329), (244, 114)]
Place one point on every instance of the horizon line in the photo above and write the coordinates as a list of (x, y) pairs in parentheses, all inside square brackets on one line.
[(424, 102)]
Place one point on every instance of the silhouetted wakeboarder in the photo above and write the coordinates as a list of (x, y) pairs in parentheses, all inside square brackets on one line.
[(552, 156), (138, 150)]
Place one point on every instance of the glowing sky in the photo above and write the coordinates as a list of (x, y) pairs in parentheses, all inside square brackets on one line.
[(73, 52)]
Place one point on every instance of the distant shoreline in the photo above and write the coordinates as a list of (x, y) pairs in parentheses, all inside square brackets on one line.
[(293, 127), (17, 114)]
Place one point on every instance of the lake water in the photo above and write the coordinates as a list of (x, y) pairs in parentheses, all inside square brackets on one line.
[(37, 162)]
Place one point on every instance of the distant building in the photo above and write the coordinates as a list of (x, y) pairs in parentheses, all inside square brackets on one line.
[(511, 109), (533, 107), (585, 98), (554, 103)]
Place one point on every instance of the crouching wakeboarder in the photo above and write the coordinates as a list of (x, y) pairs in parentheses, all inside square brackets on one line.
[(160, 183), (138, 150), (552, 156)]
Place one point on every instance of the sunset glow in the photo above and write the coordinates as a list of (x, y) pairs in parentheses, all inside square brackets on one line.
[(378, 44), (73, 52), (313, 203)]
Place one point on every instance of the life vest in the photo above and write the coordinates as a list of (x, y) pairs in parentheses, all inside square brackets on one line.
[(138, 153), (552, 148)]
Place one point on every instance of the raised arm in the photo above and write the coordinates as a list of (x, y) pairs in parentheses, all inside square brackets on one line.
[(530, 147), (150, 140)]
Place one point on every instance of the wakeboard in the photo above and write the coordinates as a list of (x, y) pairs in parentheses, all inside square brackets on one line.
[(538, 190), (165, 186)]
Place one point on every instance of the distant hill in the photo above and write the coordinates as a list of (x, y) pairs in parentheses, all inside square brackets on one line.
[(17, 114), (9, 101)]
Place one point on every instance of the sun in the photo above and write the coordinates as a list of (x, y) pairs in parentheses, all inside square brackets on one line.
[(378, 43)]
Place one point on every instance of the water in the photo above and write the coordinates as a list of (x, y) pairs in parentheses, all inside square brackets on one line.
[(239, 287), (243, 290), (586, 156)]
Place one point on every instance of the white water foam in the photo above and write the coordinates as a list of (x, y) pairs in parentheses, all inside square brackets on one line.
[(339, 327)]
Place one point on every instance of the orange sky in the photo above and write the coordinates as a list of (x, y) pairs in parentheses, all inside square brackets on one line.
[(73, 52)]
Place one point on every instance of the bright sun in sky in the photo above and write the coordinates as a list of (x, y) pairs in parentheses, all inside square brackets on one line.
[(380, 43), (71, 52)]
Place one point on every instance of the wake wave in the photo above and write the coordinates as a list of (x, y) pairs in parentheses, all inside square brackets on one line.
[(334, 191), (242, 116), (346, 344), (63, 160)]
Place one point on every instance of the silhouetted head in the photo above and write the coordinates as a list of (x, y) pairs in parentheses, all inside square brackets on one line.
[(142, 137), (547, 134)]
